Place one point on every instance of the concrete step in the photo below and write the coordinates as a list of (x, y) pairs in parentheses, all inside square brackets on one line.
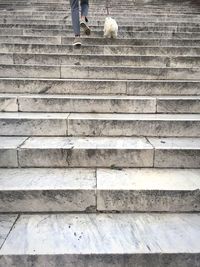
[(100, 87), (102, 59), (53, 40), (178, 104), (147, 190), (99, 103), (129, 125), (95, 72), (98, 19), (122, 34), (135, 41), (95, 50), (47, 190), (94, 152), (122, 28), (90, 190), (145, 239), (91, 124), (80, 103)]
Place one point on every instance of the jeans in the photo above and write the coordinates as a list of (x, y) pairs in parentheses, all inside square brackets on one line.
[(75, 13)]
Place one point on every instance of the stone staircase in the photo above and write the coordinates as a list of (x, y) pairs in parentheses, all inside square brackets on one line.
[(100, 146)]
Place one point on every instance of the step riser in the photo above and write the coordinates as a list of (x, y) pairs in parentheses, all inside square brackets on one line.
[(98, 127), (48, 201), (152, 35), (100, 87), (87, 105), (72, 72), (96, 29), (172, 158), (113, 260), (103, 60), (130, 201), (135, 22), (101, 105), (93, 50), (98, 20), (93, 41), (79, 127)]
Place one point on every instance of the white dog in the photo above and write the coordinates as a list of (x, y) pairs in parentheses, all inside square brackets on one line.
[(110, 28)]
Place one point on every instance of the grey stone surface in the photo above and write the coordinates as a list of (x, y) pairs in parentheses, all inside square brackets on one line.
[(86, 152), (28, 44), (64, 86), (99, 87), (46, 190), (36, 124), (178, 104), (134, 125), (84, 103), (8, 103), (176, 152), (22, 71), (8, 151), (171, 87), (95, 72), (102, 240), (89, 59), (148, 190), (6, 223)]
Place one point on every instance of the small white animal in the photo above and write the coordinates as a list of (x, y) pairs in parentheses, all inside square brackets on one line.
[(110, 28)]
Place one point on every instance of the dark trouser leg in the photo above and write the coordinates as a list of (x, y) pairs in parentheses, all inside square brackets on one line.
[(84, 8), (75, 16)]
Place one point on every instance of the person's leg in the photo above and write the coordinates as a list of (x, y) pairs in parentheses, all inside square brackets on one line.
[(75, 16), (84, 9), (84, 14)]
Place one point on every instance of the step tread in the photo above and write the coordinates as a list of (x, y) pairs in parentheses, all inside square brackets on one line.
[(100, 142), (111, 234), (106, 97), (99, 116)]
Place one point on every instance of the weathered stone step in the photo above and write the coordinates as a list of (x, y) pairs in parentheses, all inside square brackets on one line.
[(122, 28), (97, 49), (171, 190), (113, 240), (90, 190), (178, 104), (136, 41), (30, 40), (94, 72), (90, 124), (53, 40), (80, 103), (103, 60), (124, 125), (96, 103), (98, 17), (47, 190), (102, 10), (100, 152), (122, 34), (100, 87), (96, 24)]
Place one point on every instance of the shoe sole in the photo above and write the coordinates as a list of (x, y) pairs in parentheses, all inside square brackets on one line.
[(77, 44), (85, 28)]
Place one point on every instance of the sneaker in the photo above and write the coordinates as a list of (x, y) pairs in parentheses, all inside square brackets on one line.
[(85, 27), (77, 41)]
